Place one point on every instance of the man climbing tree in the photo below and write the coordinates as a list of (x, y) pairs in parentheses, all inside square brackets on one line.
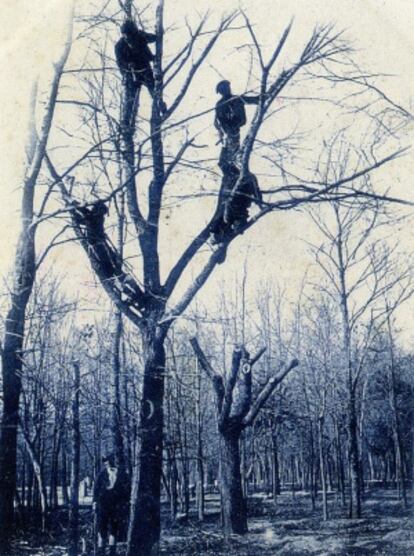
[(230, 116), (234, 202), (134, 59)]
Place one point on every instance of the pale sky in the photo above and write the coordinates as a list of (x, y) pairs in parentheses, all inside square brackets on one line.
[(380, 30)]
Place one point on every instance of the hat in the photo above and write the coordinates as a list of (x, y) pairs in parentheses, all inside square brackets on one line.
[(129, 27), (222, 86), (110, 458)]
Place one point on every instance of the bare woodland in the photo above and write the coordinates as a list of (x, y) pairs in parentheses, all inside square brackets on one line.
[(235, 413)]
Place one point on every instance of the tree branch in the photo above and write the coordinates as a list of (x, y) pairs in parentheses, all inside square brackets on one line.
[(266, 392), (215, 378)]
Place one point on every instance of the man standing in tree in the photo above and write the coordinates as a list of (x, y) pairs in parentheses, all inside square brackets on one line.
[(233, 205), (134, 58), (110, 502), (230, 117)]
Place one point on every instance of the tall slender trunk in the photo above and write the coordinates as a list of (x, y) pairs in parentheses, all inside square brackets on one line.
[(54, 468), (322, 466), (64, 471), (117, 425), (144, 529), (173, 476), (200, 455), (340, 465), (275, 468), (354, 468), (37, 469), (74, 480)]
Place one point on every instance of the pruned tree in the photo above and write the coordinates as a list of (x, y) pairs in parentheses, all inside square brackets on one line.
[(236, 410)]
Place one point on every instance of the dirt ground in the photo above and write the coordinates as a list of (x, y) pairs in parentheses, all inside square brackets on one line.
[(288, 529)]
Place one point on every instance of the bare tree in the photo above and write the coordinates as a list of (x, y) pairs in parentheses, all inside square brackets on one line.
[(357, 266), (24, 271), (235, 412)]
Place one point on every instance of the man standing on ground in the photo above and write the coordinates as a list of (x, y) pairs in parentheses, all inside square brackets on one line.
[(110, 499)]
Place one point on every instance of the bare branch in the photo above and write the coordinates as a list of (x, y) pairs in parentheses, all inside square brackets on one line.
[(266, 392), (215, 378), (222, 27)]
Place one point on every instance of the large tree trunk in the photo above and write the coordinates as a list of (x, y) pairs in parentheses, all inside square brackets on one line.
[(233, 501), (144, 530)]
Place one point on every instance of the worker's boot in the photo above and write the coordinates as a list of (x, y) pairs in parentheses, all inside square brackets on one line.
[(100, 551), (112, 550)]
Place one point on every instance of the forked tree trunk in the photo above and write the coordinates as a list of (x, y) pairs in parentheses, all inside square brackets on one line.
[(236, 410)]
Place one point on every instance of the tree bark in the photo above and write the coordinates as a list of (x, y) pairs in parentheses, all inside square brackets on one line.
[(354, 468), (144, 529), (117, 425), (322, 467), (11, 369), (234, 503), (275, 469), (74, 480), (200, 455)]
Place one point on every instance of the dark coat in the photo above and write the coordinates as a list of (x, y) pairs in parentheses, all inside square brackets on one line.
[(133, 55), (231, 113), (117, 496)]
